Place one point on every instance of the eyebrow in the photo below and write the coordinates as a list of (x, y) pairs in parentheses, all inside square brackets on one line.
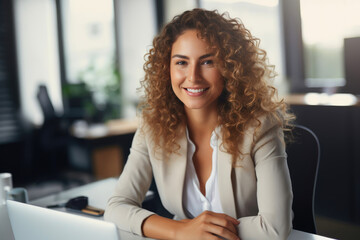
[(186, 57)]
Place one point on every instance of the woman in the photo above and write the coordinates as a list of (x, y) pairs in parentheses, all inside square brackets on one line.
[(211, 133)]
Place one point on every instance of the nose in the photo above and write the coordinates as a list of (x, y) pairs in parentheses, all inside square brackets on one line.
[(194, 73)]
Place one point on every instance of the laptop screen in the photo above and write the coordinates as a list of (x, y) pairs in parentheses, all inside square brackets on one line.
[(32, 222)]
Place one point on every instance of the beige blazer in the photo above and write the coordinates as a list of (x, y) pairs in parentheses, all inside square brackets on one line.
[(258, 193)]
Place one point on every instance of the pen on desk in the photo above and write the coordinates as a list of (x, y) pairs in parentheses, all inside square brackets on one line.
[(93, 211)]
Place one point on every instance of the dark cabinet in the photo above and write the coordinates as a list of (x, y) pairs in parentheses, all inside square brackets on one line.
[(338, 186)]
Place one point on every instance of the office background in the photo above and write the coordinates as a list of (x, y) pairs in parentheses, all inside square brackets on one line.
[(89, 55)]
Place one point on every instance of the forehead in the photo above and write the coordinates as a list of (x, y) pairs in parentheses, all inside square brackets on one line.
[(190, 42)]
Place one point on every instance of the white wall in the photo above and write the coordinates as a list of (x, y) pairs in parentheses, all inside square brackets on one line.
[(37, 49), (176, 7)]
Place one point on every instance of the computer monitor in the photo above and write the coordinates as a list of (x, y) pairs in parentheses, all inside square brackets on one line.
[(352, 68)]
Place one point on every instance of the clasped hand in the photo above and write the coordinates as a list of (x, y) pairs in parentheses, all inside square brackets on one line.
[(209, 225)]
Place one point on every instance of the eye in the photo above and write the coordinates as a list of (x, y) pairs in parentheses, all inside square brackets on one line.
[(208, 62), (180, 63)]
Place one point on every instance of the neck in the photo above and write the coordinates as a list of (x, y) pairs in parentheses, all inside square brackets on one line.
[(200, 122)]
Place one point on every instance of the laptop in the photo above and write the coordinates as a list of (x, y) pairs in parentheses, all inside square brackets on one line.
[(31, 222)]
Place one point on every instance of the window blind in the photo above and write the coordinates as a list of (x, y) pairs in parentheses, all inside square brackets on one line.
[(10, 127)]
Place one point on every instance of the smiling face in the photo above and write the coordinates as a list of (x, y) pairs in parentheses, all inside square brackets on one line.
[(195, 79)]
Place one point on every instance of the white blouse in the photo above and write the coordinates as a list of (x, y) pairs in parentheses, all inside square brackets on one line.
[(194, 201)]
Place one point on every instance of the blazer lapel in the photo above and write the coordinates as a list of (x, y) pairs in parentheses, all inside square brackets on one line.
[(225, 183), (178, 162)]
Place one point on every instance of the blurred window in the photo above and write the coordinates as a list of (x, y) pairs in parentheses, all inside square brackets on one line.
[(90, 55), (89, 37), (325, 24), (136, 28)]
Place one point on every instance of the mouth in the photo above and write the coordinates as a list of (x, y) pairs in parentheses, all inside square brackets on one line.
[(196, 90)]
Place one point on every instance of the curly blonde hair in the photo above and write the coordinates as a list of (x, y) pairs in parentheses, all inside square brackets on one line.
[(247, 95)]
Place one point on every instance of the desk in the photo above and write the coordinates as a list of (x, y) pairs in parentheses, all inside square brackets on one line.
[(105, 145), (98, 193)]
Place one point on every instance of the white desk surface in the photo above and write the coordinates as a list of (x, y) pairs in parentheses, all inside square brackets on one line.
[(98, 193)]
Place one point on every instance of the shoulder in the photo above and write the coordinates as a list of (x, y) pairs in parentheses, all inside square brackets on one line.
[(145, 129), (142, 133), (262, 125), (266, 130), (267, 138)]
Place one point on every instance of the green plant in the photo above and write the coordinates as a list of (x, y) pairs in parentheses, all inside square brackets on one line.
[(104, 84)]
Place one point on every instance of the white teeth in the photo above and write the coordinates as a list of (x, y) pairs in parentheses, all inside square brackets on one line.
[(196, 90)]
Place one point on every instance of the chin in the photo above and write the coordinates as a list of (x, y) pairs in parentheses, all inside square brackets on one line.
[(195, 106)]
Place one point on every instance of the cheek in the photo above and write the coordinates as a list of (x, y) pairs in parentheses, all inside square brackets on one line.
[(219, 84), (220, 89), (174, 79), (176, 75), (217, 79)]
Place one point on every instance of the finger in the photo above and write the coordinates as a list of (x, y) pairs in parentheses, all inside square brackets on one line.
[(233, 220), (226, 224), (222, 232), (210, 236), (220, 220)]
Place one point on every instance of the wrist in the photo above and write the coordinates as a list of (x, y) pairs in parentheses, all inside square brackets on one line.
[(161, 228), (176, 229)]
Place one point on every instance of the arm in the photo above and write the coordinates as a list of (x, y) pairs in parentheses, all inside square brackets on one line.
[(124, 206), (274, 194), (208, 225)]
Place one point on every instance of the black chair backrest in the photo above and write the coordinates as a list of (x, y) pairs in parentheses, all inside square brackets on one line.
[(303, 161), (45, 103)]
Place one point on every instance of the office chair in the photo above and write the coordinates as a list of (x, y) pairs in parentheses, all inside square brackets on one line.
[(53, 137), (45, 103), (303, 161)]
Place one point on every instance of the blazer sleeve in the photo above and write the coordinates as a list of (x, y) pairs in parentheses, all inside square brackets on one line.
[(274, 193), (124, 206)]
